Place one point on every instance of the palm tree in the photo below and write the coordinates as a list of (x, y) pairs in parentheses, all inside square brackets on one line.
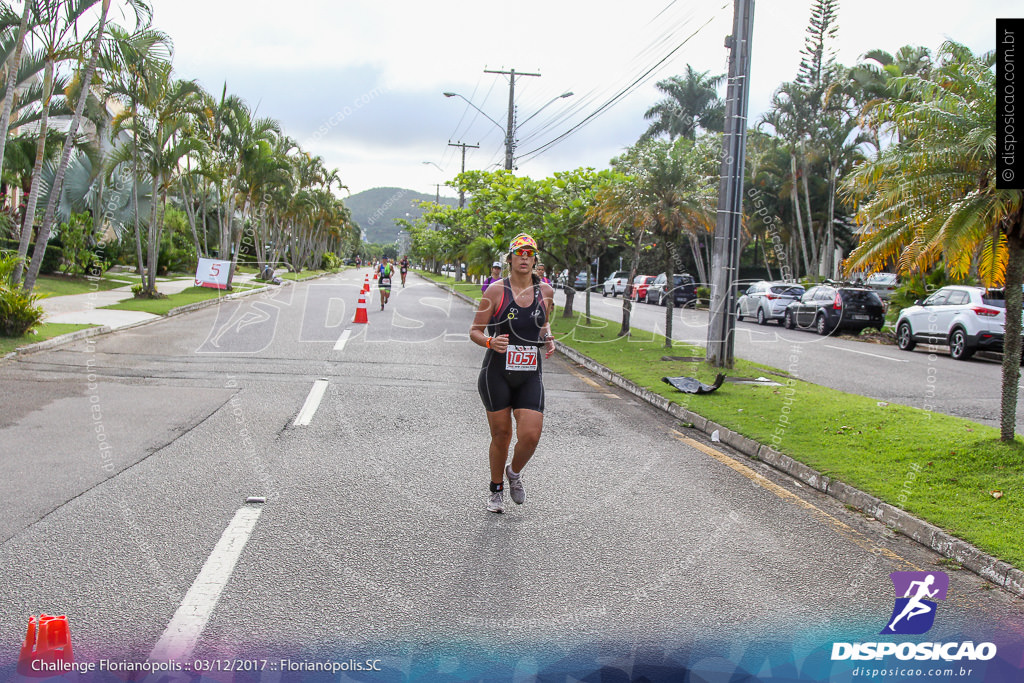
[(872, 81), (933, 194), (141, 9), (692, 102), (53, 22), (130, 64), (157, 141), (14, 65), (672, 198)]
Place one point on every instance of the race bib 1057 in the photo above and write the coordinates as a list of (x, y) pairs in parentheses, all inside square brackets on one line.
[(521, 358)]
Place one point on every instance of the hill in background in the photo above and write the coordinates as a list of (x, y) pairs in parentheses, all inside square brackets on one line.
[(375, 210)]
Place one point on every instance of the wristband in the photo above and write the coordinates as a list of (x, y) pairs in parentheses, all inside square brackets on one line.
[(487, 342)]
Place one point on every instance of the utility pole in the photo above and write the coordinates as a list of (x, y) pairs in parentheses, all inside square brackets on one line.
[(463, 145), (510, 130), (726, 251)]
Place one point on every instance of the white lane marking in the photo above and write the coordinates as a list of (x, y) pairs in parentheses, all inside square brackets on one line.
[(340, 344), (182, 634), (865, 353), (316, 394)]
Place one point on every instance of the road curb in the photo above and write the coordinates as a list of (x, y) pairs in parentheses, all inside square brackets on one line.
[(968, 556)]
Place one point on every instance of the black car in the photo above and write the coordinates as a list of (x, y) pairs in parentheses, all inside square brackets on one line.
[(827, 308), (684, 292)]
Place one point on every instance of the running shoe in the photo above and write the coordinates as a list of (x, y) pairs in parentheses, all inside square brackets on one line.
[(515, 486), (496, 503)]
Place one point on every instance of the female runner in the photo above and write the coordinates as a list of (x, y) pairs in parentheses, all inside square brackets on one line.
[(512, 324)]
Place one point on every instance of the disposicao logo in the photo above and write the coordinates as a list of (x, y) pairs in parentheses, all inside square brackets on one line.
[(914, 614)]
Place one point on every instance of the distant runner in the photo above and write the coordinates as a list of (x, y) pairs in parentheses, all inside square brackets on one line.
[(495, 276), (511, 322), (384, 273)]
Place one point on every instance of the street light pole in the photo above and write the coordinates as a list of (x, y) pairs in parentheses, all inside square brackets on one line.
[(463, 145), (510, 130), (726, 254)]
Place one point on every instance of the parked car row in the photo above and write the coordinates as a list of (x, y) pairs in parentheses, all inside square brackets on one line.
[(825, 309), (651, 289)]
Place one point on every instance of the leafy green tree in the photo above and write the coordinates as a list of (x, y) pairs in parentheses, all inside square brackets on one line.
[(933, 195), (673, 196)]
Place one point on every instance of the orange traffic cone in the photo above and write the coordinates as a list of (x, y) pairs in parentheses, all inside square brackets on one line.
[(361, 310), (366, 284), (47, 647)]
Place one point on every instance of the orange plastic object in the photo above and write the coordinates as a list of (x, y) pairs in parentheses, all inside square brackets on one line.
[(361, 310), (48, 641)]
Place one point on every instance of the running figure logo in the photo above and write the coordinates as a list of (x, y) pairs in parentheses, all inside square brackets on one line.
[(914, 613)]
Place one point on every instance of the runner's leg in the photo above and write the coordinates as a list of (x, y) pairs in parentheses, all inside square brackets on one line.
[(528, 428), (500, 423)]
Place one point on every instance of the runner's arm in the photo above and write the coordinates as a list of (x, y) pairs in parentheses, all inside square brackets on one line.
[(478, 331), (548, 295)]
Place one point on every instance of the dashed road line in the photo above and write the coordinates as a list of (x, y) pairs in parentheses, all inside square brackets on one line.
[(342, 340), (316, 394), (180, 637), (865, 353)]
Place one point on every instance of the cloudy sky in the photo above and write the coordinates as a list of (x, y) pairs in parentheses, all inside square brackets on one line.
[(360, 82)]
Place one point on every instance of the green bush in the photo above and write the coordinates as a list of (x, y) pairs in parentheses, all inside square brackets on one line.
[(51, 259), (330, 262), (18, 310), (79, 239)]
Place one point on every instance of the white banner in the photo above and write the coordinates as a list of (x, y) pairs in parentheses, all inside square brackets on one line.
[(213, 273)]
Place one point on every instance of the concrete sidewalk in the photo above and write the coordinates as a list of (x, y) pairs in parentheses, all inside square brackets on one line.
[(87, 309)]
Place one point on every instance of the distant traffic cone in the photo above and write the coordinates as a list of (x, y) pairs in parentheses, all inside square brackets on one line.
[(47, 642), (361, 310), (366, 284)]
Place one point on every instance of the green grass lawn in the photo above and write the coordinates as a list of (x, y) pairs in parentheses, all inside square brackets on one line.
[(162, 306), (303, 275), (939, 468), (57, 285), (43, 332)]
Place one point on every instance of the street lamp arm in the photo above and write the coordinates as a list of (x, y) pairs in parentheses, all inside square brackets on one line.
[(565, 94), (455, 94)]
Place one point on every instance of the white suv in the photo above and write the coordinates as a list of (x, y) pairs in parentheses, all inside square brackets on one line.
[(967, 319), (616, 283)]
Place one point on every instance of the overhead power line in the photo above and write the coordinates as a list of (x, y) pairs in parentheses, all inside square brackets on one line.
[(615, 98)]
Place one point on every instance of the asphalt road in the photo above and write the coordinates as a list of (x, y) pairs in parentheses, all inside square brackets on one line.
[(637, 538), (925, 378)]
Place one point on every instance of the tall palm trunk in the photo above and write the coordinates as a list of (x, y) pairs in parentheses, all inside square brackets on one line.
[(1012, 340), (813, 246), (698, 258), (794, 197), (69, 144), (153, 245), (830, 250), (37, 170), (12, 79)]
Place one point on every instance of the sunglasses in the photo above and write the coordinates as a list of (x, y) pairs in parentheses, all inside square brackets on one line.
[(523, 252)]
